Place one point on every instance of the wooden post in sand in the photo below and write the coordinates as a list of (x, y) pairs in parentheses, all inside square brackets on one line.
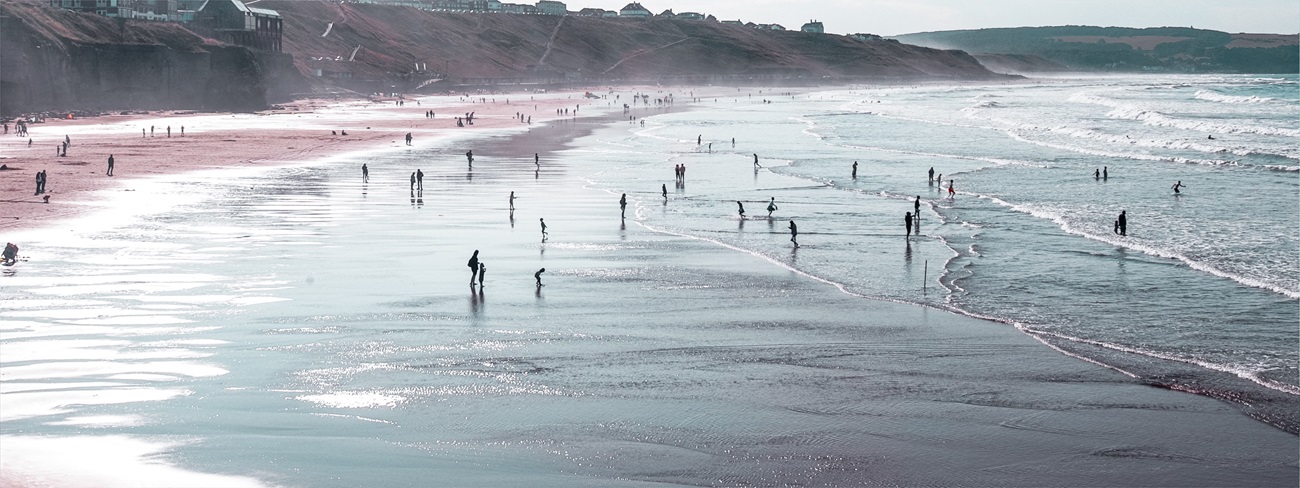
[(925, 276)]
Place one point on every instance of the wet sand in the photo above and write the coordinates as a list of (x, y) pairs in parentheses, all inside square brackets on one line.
[(301, 131), (647, 358)]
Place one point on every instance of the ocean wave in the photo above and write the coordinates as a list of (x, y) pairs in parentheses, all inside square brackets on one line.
[(1143, 247), (1122, 110), (1120, 155), (1214, 96)]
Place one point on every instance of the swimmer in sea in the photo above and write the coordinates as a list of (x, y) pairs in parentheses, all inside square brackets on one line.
[(1177, 186)]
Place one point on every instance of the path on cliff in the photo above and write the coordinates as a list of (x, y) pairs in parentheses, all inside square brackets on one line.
[(549, 42), (653, 49)]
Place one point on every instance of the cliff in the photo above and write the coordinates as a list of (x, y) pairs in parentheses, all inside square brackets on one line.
[(405, 47), (1170, 49), (53, 59)]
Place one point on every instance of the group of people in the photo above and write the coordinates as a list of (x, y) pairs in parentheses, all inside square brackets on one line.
[(477, 270)]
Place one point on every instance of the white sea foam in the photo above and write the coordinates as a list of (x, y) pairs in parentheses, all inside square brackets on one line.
[(1124, 110), (1214, 96)]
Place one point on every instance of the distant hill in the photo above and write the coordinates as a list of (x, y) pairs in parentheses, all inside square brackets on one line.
[(1168, 49)]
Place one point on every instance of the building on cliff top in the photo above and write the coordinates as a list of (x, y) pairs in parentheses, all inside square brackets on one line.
[(634, 10), (233, 22), (551, 7), (813, 26), (107, 8)]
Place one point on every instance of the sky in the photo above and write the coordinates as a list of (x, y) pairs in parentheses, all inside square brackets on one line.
[(893, 17)]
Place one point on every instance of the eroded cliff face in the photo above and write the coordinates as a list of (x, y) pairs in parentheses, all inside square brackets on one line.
[(54, 59), (404, 47)]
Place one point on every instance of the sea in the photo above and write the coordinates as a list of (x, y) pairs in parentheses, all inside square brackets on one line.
[(1198, 296), (254, 304)]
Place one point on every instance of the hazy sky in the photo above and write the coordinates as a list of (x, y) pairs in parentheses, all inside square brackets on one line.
[(891, 17)]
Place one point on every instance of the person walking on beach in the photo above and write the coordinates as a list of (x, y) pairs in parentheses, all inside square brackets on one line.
[(512, 201), (408, 138), (741, 209), (907, 221), (771, 207), (855, 170), (110, 168), (916, 208), (473, 267), (38, 183), (469, 155), (412, 181), (482, 271), (537, 160), (1122, 222), (951, 192), (365, 173), (699, 139), (664, 189), (419, 179), (1177, 186), (756, 165), (544, 234), (932, 173), (622, 207), (538, 276), (794, 233)]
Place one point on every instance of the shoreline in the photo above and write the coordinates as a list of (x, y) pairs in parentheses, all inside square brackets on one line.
[(1028, 423)]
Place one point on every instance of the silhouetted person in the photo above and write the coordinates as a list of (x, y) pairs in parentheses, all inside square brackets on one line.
[(1123, 222), (855, 170), (365, 173), (110, 168), (907, 220), (1105, 173), (537, 160), (538, 277), (740, 207), (544, 234), (1096, 174), (419, 179), (473, 267), (622, 206), (169, 132), (932, 173), (151, 131), (756, 161), (699, 139), (412, 181), (794, 233), (733, 142), (1177, 186), (512, 201), (11, 250), (664, 189), (771, 207), (951, 192), (916, 209), (469, 155), (482, 270), (408, 138)]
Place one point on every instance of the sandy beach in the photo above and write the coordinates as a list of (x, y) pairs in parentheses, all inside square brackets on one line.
[(300, 131), (290, 325)]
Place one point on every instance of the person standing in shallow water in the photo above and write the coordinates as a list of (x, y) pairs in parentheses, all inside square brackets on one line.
[(538, 276), (110, 168), (932, 173), (622, 207), (482, 270), (1177, 186), (512, 201), (855, 170), (365, 173), (1122, 222), (741, 209), (663, 188), (412, 181), (907, 221), (916, 210), (794, 233), (473, 267), (419, 179), (544, 234)]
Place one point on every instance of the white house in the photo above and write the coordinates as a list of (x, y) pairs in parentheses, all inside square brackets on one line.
[(813, 26), (634, 10)]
